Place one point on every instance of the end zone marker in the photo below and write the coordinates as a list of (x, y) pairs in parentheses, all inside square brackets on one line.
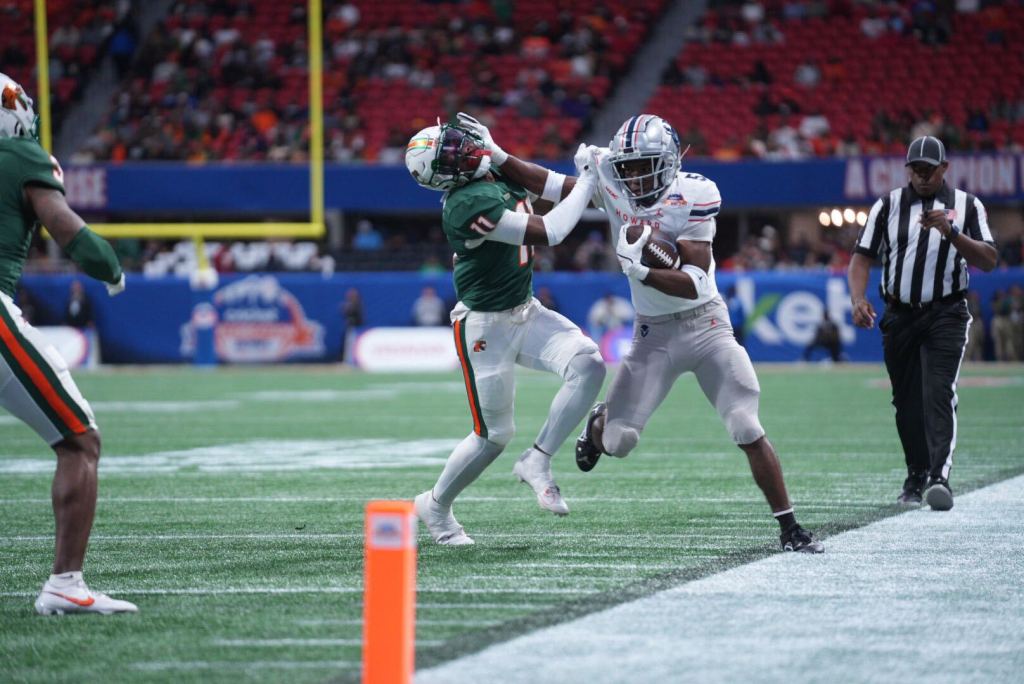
[(389, 605)]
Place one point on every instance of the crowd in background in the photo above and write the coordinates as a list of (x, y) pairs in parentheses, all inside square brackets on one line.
[(792, 111), (207, 85)]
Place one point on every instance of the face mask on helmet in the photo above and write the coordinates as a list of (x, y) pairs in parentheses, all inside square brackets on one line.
[(644, 156), (17, 118), (446, 157)]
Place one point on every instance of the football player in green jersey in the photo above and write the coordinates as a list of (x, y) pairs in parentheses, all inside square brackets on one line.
[(35, 384), (497, 322)]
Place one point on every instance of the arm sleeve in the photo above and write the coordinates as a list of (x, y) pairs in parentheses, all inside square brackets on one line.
[(560, 221), (94, 255), (511, 228), (976, 221), (869, 242)]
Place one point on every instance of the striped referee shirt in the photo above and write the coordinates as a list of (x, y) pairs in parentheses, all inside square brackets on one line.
[(920, 265)]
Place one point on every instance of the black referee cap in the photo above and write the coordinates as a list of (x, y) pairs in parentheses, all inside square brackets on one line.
[(928, 149)]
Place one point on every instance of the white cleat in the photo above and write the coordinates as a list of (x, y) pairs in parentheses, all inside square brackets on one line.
[(440, 522), (534, 468), (78, 598)]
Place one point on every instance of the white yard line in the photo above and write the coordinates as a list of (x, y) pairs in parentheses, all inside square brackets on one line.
[(278, 643), (197, 665), (924, 594), (755, 500), (217, 591)]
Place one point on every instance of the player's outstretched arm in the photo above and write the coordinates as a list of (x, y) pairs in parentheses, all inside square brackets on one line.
[(87, 249), (545, 183), (517, 228)]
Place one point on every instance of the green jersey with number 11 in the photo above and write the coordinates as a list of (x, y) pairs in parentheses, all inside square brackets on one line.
[(489, 275), (22, 162)]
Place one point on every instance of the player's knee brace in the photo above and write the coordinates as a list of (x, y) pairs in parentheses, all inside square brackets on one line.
[(586, 369), (619, 439), (743, 425)]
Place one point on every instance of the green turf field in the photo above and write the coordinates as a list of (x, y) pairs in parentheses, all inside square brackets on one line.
[(231, 511)]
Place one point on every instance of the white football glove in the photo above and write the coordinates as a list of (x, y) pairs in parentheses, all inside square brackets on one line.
[(585, 159), (498, 155), (629, 254), (116, 288)]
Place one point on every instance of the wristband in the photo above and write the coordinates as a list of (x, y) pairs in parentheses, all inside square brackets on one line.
[(498, 155)]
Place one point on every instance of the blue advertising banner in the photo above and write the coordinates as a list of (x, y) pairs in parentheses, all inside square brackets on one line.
[(295, 317), (165, 188)]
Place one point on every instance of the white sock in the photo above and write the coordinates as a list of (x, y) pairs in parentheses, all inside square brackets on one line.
[(65, 579), (465, 464)]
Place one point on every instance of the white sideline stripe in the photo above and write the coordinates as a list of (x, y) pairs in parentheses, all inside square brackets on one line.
[(873, 607), (338, 622), (481, 606), (192, 665), (464, 499), (359, 535), (276, 643)]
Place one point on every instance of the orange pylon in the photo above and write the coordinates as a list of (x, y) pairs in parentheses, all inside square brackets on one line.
[(389, 604)]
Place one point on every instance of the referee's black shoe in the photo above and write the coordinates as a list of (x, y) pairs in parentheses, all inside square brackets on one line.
[(587, 452), (938, 495), (912, 487), (800, 540)]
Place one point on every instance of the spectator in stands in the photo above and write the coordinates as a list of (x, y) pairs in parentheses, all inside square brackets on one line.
[(431, 265), (547, 299), (607, 314), (760, 73), (594, 254), (429, 309), (367, 238), (826, 336), (807, 74), (737, 314), (1002, 327), (1016, 296), (1011, 252), (78, 310), (352, 315), (976, 333), (27, 303)]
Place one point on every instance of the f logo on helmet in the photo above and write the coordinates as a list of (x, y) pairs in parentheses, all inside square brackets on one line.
[(10, 97)]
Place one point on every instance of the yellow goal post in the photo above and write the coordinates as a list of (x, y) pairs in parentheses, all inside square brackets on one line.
[(198, 231)]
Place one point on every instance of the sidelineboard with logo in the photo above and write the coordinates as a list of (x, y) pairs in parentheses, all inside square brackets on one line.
[(273, 318)]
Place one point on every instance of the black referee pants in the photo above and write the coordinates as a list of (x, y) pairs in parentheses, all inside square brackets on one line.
[(923, 351)]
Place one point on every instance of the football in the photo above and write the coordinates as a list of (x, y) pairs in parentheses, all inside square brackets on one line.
[(660, 250)]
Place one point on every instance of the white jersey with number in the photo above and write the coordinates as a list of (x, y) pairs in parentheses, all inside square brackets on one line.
[(686, 211)]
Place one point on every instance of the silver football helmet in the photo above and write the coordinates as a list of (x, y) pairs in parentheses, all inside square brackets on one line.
[(644, 156), (445, 157), (17, 118)]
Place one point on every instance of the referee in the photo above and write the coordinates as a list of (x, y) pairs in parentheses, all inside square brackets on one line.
[(926, 234)]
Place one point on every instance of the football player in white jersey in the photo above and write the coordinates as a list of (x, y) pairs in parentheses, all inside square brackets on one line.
[(682, 324)]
